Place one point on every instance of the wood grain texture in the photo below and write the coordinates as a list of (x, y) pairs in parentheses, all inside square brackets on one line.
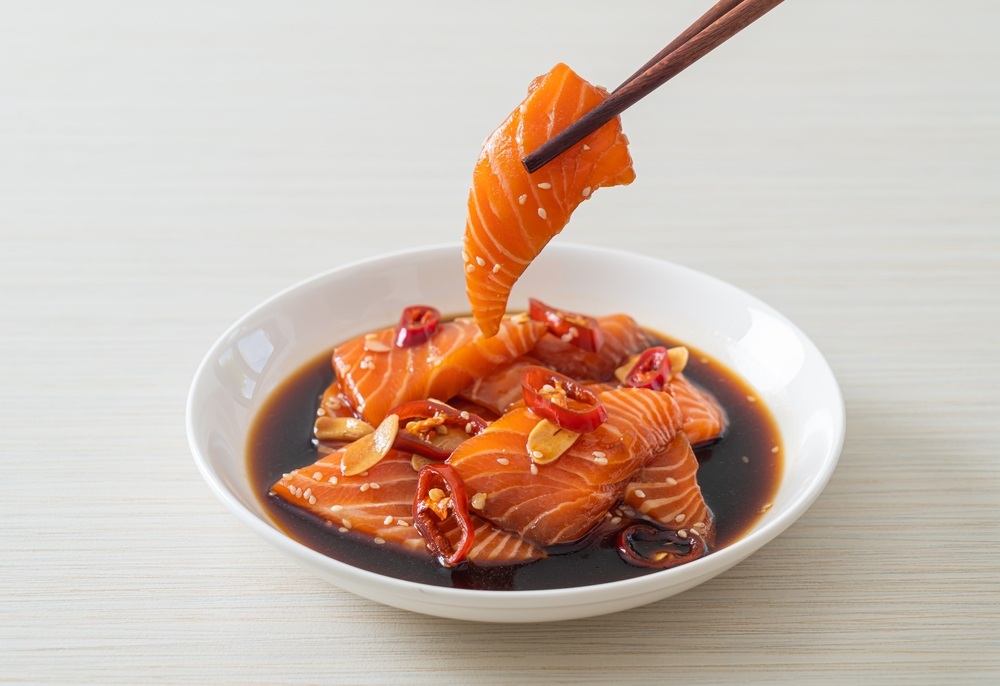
[(163, 168)]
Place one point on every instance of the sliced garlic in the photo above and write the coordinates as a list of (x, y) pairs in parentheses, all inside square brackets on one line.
[(622, 372), (678, 359), (419, 461), (341, 429), (368, 451), (547, 442)]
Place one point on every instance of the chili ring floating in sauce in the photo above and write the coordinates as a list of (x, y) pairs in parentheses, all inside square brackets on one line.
[(661, 557), (561, 400), (433, 504)]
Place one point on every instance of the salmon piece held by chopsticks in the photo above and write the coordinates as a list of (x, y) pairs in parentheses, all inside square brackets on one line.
[(513, 215)]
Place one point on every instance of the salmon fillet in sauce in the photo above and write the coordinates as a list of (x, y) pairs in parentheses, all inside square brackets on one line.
[(513, 215), (379, 504), (564, 499)]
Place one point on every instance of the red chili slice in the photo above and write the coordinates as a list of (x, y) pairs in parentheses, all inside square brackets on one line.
[(562, 400), (651, 370), (582, 331), (417, 325), (433, 414), (427, 513), (658, 555)]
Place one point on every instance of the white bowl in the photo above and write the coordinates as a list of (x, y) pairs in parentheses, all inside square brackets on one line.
[(276, 338)]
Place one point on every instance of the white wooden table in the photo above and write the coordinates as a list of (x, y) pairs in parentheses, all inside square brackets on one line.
[(166, 166)]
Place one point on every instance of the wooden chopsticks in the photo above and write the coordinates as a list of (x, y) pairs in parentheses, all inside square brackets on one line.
[(719, 24)]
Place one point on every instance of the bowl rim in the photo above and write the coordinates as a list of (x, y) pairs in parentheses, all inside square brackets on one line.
[(623, 588)]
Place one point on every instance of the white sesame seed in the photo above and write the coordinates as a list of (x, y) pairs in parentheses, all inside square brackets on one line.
[(545, 186), (401, 522), (285, 476), (745, 459), (342, 529), (680, 518), (333, 480), (541, 212), (774, 449), (537, 454), (377, 347), (615, 520), (470, 268), (522, 109), (682, 533), (480, 261), (765, 508), (598, 453), (496, 268), (548, 388), (347, 523), (503, 461), (317, 476), (671, 481), (364, 487), (298, 492), (518, 139), (312, 500), (751, 398), (465, 256), (607, 515), (320, 412), (534, 468), (336, 508), (640, 494), (478, 501), (328, 523), (379, 540), (698, 525), (601, 460), (468, 428), (374, 485), (586, 147), (618, 511), (463, 414), (586, 191), (387, 520), (522, 199)]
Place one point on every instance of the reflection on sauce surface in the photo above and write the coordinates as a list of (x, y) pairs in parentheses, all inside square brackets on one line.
[(739, 476)]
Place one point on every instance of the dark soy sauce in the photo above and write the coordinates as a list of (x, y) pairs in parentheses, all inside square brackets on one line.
[(739, 476)]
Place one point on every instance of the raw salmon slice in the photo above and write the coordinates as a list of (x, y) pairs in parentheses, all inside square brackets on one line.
[(666, 490), (704, 418), (565, 498), (501, 388), (512, 215), (377, 376), (383, 510), (622, 337)]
